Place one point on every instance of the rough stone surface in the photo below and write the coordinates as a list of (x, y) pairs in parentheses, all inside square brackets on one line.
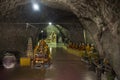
[(14, 37), (103, 16), (100, 17)]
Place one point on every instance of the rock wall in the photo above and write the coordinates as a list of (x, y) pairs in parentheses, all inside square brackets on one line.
[(14, 37), (101, 18)]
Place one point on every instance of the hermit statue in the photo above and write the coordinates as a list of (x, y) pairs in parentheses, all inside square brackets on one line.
[(54, 37)]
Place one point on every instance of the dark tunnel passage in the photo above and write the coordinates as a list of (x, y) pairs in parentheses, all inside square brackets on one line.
[(66, 23)]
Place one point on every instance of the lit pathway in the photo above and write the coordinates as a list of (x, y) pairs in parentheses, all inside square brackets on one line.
[(65, 67)]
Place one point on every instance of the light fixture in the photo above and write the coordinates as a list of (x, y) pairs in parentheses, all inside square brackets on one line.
[(36, 7), (50, 23), (41, 31)]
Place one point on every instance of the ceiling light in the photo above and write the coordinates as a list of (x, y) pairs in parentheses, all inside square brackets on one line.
[(41, 31), (50, 23), (36, 7)]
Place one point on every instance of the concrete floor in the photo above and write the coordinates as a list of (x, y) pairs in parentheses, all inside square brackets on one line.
[(64, 66)]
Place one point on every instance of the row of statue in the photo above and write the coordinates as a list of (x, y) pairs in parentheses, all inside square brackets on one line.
[(101, 66), (82, 47)]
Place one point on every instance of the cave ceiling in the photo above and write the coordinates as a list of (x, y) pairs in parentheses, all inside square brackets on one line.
[(21, 11)]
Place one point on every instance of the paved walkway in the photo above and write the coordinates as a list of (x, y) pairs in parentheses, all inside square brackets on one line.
[(64, 67)]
